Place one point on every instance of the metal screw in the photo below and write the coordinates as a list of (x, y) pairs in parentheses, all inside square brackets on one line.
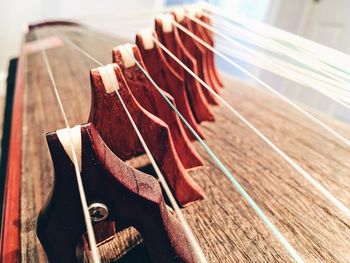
[(98, 212)]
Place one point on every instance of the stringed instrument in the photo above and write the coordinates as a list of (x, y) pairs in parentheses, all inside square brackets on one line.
[(147, 152)]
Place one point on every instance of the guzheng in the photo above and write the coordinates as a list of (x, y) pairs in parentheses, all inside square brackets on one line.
[(146, 152)]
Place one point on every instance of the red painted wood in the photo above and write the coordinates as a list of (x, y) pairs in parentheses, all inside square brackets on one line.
[(168, 79), (211, 62), (10, 235), (112, 123), (211, 67), (199, 53), (173, 42), (132, 197), (150, 99)]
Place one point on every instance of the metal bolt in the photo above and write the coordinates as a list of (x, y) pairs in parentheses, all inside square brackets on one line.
[(98, 212)]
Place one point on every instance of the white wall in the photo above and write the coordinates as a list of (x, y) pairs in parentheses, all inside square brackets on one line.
[(15, 14), (287, 15), (294, 16)]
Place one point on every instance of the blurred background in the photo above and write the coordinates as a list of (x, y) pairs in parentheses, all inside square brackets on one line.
[(297, 16), (324, 21)]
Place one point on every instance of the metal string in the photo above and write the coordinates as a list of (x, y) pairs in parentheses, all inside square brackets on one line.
[(290, 72), (90, 231), (265, 85), (324, 54), (188, 232), (298, 168), (299, 55), (257, 54)]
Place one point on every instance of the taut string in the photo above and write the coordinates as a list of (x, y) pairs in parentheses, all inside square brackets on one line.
[(291, 72), (276, 45), (265, 85), (303, 81), (90, 231), (339, 66)]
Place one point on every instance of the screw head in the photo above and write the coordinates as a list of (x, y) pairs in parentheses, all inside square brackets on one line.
[(98, 212)]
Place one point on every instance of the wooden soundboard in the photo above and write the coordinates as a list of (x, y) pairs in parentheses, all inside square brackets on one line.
[(228, 230)]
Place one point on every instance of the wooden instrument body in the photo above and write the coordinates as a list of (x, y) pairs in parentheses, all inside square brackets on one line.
[(226, 227)]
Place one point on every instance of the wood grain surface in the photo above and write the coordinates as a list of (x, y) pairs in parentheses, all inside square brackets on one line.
[(227, 228)]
